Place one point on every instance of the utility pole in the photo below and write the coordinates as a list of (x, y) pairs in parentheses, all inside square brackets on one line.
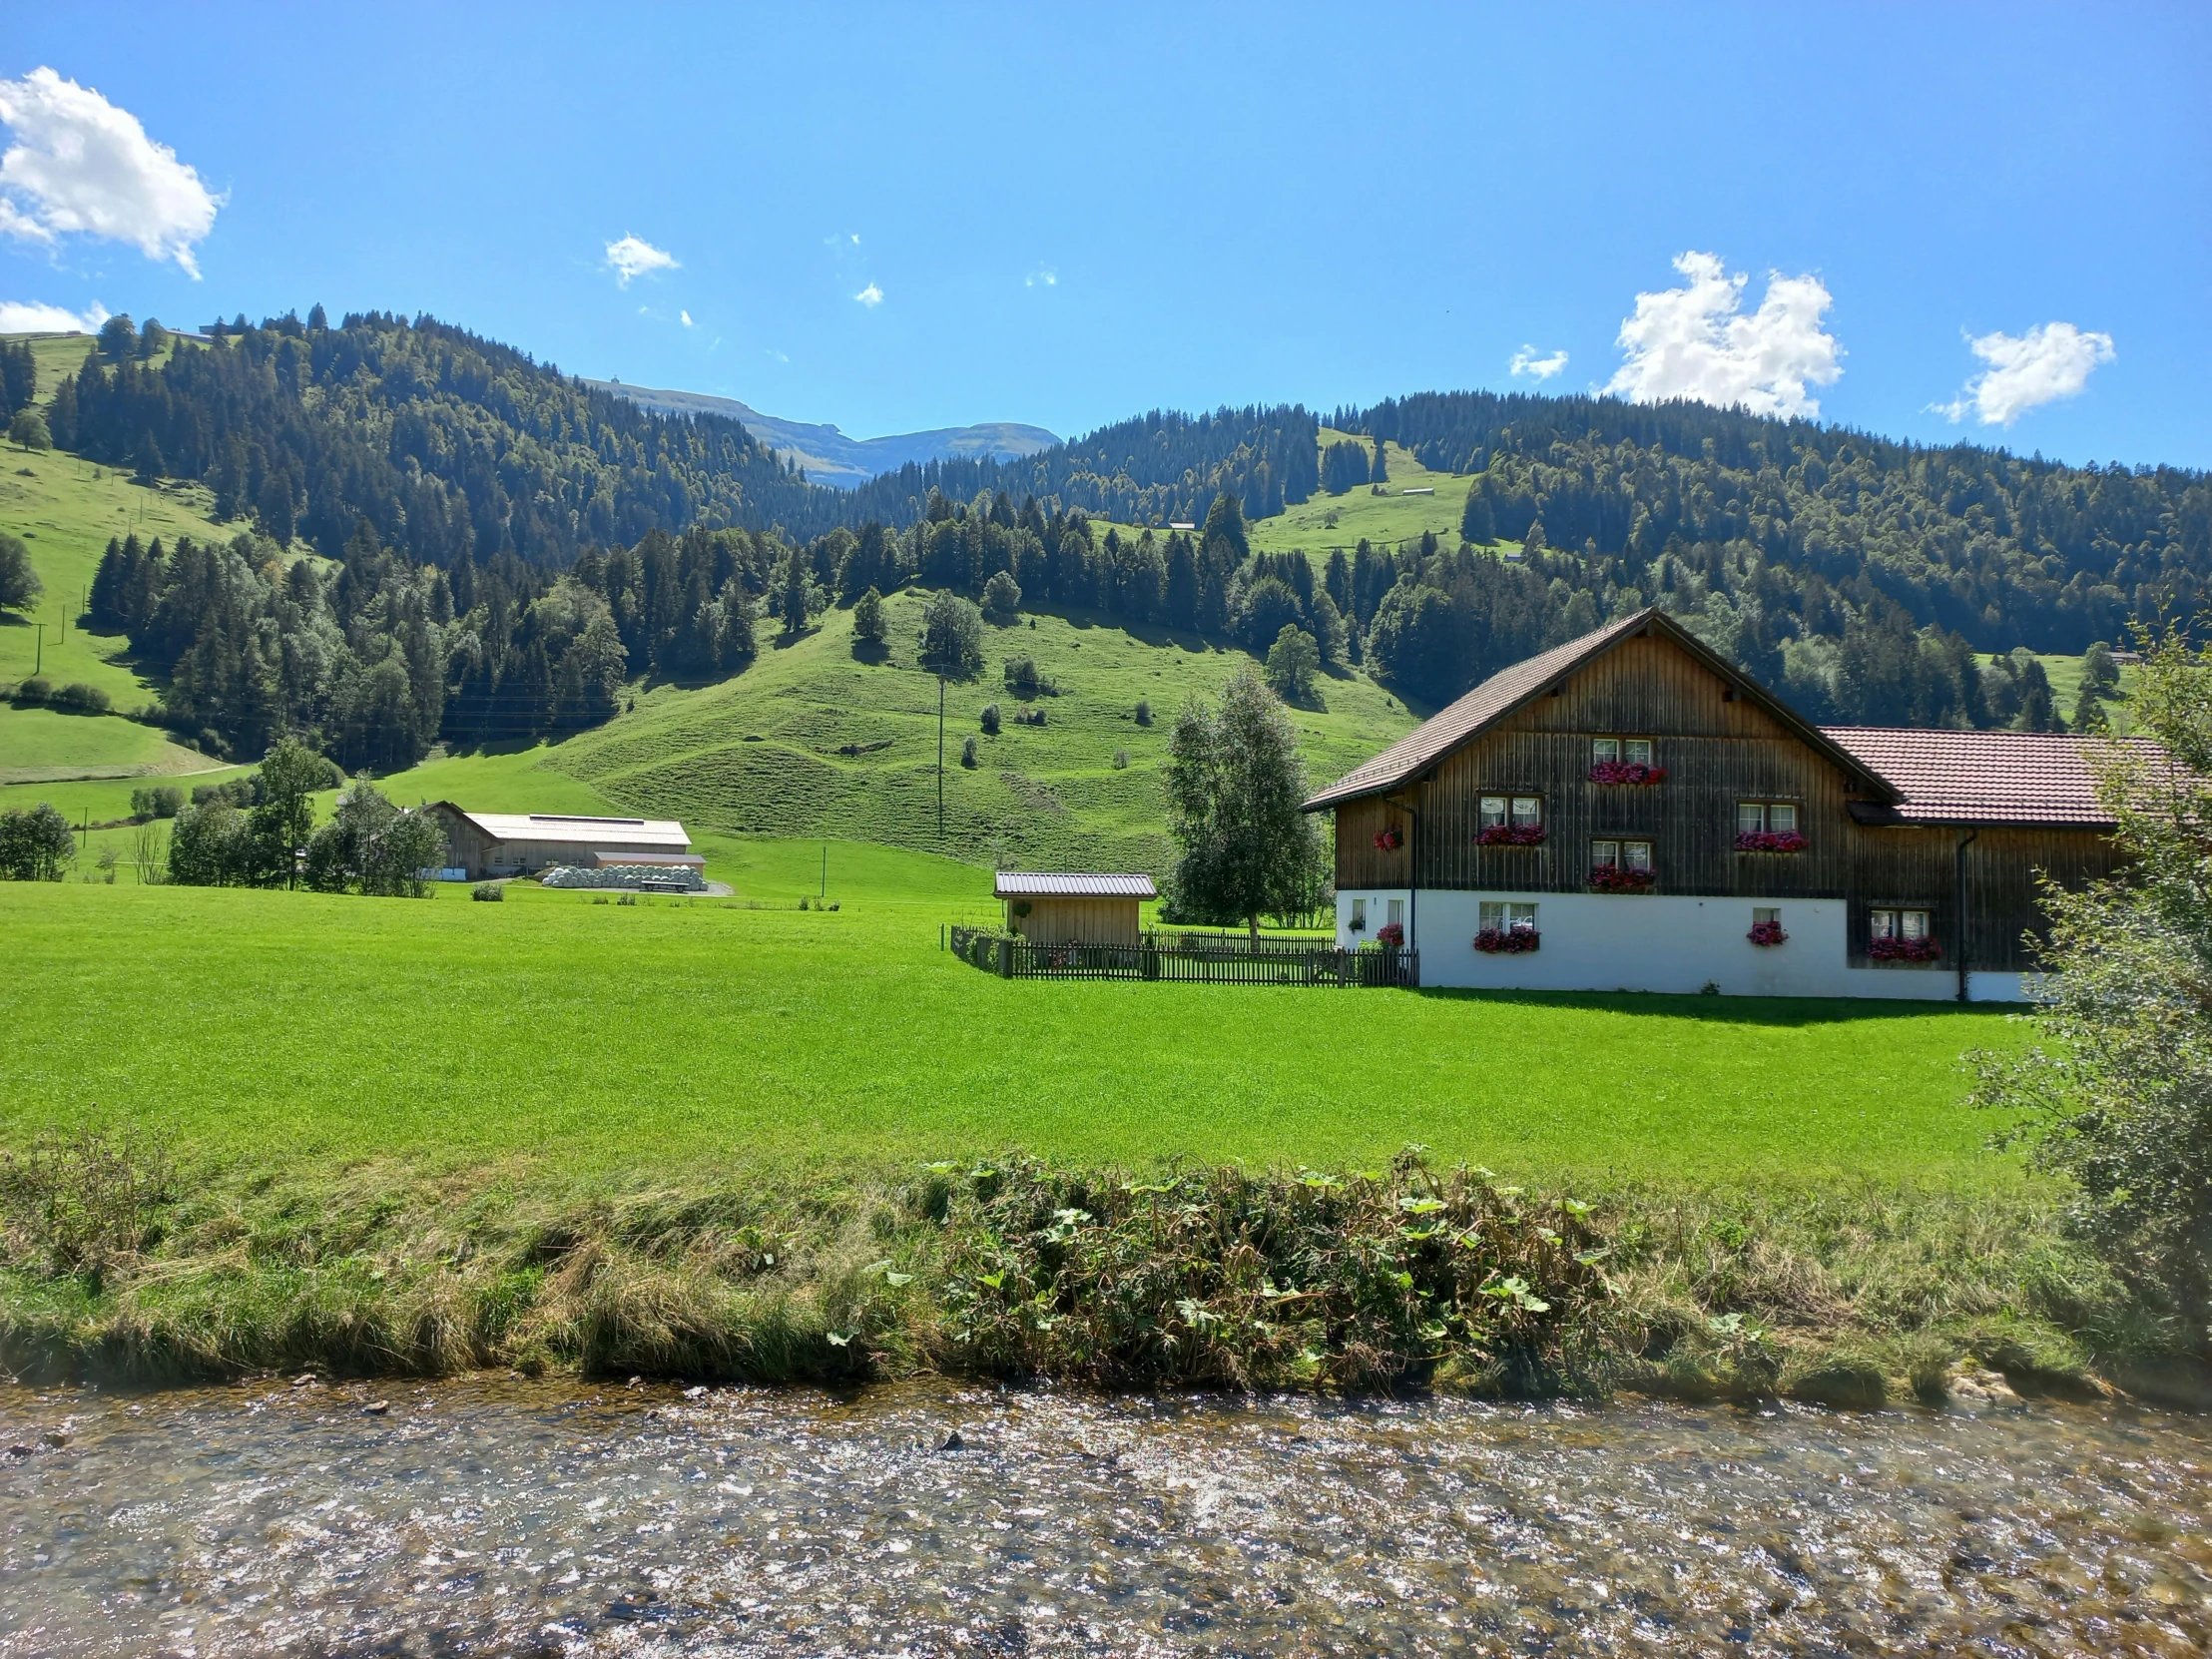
[(940, 757), (824, 891), (38, 667)]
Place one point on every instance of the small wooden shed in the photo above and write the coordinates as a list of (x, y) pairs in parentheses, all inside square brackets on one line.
[(1073, 907)]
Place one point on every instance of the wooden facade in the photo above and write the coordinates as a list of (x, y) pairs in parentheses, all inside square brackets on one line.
[(1721, 742), (1061, 919)]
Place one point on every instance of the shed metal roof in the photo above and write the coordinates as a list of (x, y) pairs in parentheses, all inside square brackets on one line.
[(1015, 883), (655, 833)]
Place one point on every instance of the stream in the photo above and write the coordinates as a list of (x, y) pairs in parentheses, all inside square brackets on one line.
[(502, 1516)]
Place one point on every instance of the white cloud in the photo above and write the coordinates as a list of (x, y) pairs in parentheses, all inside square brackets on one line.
[(79, 165), (635, 257), (1041, 279), (28, 316), (2051, 360), (685, 319), (870, 297), (1525, 361), (772, 354), (1696, 341)]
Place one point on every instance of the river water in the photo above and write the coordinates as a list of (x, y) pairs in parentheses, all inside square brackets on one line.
[(504, 1517)]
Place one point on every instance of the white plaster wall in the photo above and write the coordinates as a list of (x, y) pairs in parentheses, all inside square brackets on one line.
[(1656, 942)]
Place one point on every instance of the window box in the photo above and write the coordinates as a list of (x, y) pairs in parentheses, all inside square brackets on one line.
[(1766, 929), (1509, 941), (1511, 820), (1624, 761), (1388, 840), (1508, 929), (1906, 936), (1768, 826), (1619, 879), (1769, 840), (1621, 867), (1903, 951)]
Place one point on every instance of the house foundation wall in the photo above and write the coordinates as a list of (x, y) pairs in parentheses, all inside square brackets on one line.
[(1656, 942)]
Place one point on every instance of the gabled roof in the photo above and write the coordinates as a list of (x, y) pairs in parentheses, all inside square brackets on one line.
[(570, 829), (1952, 777), (1509, 688), (1015, 883)]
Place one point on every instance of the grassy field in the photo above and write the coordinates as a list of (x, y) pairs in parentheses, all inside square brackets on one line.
[(680, 1036), (760, 753)]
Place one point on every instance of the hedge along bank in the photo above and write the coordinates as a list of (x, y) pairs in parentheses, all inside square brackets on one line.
[(120, 1265)]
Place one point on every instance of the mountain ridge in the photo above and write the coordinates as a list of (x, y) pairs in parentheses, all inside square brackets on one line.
[(831, 457)]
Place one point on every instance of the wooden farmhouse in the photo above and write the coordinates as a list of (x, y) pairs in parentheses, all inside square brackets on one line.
[(521, 843), (1073, 909), (1630, 811)]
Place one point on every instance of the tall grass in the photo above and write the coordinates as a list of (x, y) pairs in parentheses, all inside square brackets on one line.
[(118, 1263)]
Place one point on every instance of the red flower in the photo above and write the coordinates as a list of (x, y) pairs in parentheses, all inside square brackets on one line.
[(1388, 840), (1626, 771), (1619, 879), (1505, 941), (1770, 841), (1390, 936), (1767, 932), (1510, 835), (1903, 951)]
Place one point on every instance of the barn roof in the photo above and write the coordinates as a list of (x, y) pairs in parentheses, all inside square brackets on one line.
[(1016, 884), (657, 833), (1952, 777), (1507, 690)]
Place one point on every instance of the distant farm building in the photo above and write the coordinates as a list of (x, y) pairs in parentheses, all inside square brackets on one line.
[(1073, 909), (521, 843)]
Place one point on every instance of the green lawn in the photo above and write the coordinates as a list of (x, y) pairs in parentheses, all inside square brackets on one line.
[(674, 1036)]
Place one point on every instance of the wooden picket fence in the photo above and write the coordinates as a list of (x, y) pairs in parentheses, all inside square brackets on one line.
[(1206, 964)]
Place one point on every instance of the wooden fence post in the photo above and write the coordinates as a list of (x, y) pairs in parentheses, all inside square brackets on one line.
[(1005, 959)]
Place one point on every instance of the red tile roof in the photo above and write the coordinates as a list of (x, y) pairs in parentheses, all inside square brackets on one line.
[(1014, 884), (1982, 776)]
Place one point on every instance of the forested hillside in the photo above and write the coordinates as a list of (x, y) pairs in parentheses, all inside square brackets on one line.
[(502, 550), (1857, 573)]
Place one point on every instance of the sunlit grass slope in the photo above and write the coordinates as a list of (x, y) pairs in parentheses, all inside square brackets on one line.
[(764, 753), (684, 1036)]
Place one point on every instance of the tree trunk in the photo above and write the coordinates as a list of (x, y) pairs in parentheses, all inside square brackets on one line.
[(1254, 921)]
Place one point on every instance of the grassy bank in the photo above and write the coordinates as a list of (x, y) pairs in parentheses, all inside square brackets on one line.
[(119, 1264)]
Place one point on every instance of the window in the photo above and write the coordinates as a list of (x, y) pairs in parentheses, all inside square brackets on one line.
[(1636, 751), (1358, 914), (1621, 854), (1756, 817), (1762, 916), (1499, 917), (1604, 750), (1397, 912), (1520, 812), (1900, 924)]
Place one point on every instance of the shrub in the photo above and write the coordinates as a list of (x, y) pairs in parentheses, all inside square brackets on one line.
[(967, 753), (1001, 597), (35, 844), (77, 698), (37, 689), (990, 720), (1021, 676), (1121, 760), (157, 801), (867, 618), (491, 892), (1144, 712)]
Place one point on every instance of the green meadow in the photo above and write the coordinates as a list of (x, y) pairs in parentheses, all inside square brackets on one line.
[(681, 1036)]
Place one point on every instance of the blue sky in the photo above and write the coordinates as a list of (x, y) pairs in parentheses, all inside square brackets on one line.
[(897, 217)]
